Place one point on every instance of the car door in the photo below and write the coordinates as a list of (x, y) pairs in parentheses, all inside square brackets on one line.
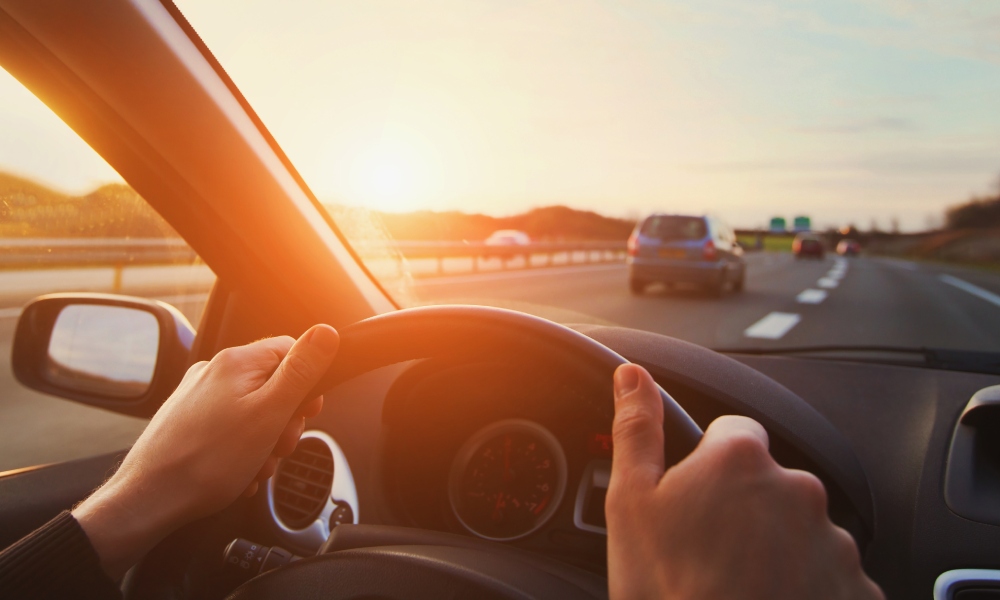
[(69, 223)]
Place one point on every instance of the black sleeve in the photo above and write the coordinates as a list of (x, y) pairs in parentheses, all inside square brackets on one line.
[(55, 561)]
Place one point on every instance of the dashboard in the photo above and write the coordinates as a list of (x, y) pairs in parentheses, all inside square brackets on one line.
[(406, 438), (506, 451), (420, 435)]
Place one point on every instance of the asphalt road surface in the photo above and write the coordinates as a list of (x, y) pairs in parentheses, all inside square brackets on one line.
[(836, 301), (787, 302)]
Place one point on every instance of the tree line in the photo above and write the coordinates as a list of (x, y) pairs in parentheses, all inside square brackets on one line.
[(978, 213)]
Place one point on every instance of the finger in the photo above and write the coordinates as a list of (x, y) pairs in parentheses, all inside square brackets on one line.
[(262, 352), (300, 370), (724, 429), (637, 431), (251, 489), (266, 471), (311, 408), (736, 446), (289, 437)]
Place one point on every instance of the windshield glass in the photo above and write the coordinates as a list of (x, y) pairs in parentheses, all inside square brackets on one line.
[(425, 128), (674, 228)]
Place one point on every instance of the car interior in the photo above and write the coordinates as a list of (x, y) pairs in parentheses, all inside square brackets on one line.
[(382, 498)]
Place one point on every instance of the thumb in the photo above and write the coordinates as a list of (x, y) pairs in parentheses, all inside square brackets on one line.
[(300, 370), (638, 425)]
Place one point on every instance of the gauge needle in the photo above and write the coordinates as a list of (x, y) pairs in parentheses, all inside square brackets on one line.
[(496, 509)]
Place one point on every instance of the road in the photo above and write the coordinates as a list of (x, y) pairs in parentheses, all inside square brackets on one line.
[(868, 302), (857, 301)]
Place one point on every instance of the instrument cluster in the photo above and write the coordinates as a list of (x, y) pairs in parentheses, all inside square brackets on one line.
[(520, 458)]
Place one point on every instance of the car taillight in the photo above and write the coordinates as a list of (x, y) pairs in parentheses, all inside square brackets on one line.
[(633, 245), (708, 252)]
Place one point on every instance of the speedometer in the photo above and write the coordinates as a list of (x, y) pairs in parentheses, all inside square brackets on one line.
[(507, 480)]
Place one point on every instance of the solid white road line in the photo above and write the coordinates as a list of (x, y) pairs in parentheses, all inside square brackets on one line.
[(828, 283), (972, 289), (773, 326), (811, 296)]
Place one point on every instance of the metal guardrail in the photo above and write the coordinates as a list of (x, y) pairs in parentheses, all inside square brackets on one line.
[(587, 252), (26, 253), (22, 253)]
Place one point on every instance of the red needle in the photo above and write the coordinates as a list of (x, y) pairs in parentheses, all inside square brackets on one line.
[(496, 509)]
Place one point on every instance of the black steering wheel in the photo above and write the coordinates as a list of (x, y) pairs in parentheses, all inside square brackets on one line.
[(384, 562)]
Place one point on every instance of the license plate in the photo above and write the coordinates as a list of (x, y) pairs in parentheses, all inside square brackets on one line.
[(672, 253)]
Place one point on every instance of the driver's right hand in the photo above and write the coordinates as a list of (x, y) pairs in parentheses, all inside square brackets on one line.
[(726, 522)]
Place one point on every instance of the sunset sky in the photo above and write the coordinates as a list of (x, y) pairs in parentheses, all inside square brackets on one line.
[(844, 111)]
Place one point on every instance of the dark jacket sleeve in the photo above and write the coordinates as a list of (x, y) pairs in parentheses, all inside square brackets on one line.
[(55, 561)]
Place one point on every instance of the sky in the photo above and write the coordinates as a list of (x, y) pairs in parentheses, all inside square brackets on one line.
[(848, 112)]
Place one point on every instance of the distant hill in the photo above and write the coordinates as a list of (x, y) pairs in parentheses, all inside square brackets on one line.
[(29, 209), (550, 223)]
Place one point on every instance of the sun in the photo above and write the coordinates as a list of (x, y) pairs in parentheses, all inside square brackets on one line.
[(390, 177)]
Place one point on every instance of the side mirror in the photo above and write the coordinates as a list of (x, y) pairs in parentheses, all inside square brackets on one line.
[(120, 353)]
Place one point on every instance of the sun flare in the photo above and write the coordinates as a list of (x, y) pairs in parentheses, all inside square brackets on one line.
[(389, 177)]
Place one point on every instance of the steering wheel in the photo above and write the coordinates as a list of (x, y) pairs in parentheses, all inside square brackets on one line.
[(406, 563)]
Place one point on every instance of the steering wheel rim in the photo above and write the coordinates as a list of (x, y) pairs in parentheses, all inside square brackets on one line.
[(466, 331), (420, 571)]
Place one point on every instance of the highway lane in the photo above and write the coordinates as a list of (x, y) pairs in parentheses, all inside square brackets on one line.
[(857, 301), (875, 301)]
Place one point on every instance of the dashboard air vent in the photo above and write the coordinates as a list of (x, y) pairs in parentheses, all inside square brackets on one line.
[(302, 483)]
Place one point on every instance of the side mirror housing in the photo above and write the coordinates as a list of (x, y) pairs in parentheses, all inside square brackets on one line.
[(119, 353)]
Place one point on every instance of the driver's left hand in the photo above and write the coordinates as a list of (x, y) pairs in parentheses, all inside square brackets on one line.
[(219, 435)]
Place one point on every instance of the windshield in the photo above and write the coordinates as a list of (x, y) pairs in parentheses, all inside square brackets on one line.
[(674, 228), (426, 128)]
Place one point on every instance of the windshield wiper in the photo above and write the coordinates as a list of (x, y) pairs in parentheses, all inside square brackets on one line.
[(932, 358)]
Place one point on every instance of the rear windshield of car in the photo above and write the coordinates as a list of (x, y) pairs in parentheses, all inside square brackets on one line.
[(675, 228)]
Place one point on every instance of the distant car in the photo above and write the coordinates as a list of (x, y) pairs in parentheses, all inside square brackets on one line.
[(808, 245), (685, 249), (848, 248), (508, 237)]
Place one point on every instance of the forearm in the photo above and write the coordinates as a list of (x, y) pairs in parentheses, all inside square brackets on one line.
[(122, 525), (55, 561)]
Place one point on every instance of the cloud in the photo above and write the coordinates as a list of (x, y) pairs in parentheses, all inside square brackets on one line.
[(874, 125), (969, 162)]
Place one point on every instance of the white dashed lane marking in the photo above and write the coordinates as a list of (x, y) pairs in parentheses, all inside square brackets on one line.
[(773, 327), (972, 289), (811, 296), (828, 283)]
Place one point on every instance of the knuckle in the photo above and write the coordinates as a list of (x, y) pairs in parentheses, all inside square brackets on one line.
[(845, 550), (744, 453), (621, 495), (631, 420), (298, 371), (810, 492), (872, 590), (225, 359)]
